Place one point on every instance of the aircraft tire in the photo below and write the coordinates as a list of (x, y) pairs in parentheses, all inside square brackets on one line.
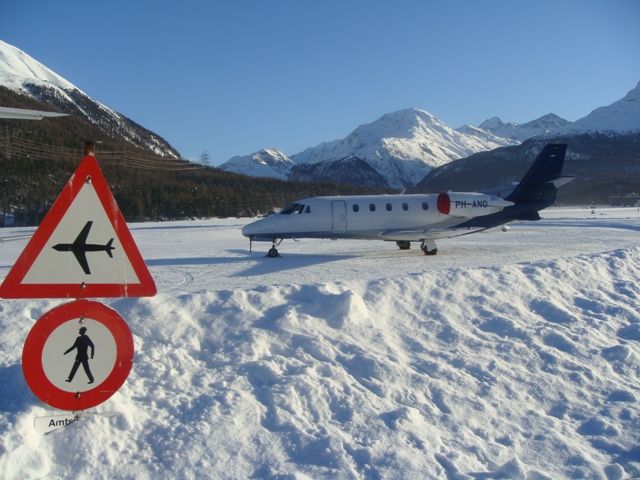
[(273, 252), (403, 245), (430, 252)]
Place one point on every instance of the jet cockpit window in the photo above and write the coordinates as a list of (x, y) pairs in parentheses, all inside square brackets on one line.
[(294, 208)]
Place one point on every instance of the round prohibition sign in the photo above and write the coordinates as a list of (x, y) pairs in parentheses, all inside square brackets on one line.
[(101, 343)]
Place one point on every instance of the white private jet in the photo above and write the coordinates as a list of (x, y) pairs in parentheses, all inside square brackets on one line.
[(415, 217)]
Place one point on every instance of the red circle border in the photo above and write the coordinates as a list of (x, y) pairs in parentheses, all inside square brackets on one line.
[(33, 370)]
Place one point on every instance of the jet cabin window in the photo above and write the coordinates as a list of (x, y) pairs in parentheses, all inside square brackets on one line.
[(295, 209)]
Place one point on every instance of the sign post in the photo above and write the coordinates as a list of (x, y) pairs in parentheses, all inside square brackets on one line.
[(78, 354)]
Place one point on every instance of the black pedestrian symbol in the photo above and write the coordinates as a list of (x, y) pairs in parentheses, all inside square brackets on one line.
[(82, 344)]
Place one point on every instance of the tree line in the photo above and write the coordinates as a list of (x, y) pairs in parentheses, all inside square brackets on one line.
[(38, 157)]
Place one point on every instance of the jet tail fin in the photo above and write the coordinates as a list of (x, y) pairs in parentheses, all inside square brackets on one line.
[(109, 247), (535, 192), (540, 184)]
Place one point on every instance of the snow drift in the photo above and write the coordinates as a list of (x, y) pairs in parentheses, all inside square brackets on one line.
[(512, 371)]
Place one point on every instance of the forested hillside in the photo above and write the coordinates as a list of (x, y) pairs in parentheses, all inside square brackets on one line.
[(606, 167), (38, 157)]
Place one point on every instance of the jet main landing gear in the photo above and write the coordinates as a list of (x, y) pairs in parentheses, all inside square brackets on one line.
[(403, 244), (429, 247)]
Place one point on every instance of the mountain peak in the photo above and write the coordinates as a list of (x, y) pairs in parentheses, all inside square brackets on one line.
[(491, 123), (521, 132), (267, 162), (18, 68), (400, 124), (22, 74), (545, 123), (271, 154), (403, 146), (621, 116)]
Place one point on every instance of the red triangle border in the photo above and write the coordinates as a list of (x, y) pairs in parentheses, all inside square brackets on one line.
[(12, 287)]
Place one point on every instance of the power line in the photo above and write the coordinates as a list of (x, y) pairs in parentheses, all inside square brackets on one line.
[(12, 146)]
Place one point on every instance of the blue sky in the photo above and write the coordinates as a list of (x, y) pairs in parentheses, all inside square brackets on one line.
[(231, 77)]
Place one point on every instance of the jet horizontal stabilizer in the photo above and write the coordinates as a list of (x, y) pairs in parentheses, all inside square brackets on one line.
[(560, 181)]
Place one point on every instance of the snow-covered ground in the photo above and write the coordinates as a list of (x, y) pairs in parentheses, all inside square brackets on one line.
[(508, 355)]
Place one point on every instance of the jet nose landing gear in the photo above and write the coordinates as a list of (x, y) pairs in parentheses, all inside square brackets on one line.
[(273, 251)]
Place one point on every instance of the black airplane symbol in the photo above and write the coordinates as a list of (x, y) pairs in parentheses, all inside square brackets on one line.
[(80, 247)]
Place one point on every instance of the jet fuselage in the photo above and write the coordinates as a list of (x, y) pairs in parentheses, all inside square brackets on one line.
[(404, 217)]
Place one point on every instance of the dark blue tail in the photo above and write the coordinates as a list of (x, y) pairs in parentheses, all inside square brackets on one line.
[(541, 182), (537, 189)]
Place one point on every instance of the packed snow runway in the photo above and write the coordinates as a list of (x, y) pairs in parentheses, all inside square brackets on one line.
[(213, 255), (508, 355)]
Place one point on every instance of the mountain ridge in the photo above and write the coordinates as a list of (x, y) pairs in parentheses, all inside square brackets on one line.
[(21, 73), (604, 165), (521, 132), (402, 147)]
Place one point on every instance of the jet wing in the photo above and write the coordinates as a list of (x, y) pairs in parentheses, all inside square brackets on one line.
[(407, 235), (425, 234), (79, 247), (81, 239), (81, 257)]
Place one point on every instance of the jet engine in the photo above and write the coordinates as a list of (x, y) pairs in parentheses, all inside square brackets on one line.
[(469, 205)]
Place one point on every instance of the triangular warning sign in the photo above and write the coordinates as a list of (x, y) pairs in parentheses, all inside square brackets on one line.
[(82, 248)]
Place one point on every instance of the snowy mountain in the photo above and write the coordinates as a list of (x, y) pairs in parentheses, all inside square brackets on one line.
[(619, 117), (622, 116), (602, 153), (486, 135), (22, 74), (520, 132), (349, 170), (606, 166), (402, 146), (268, 162)]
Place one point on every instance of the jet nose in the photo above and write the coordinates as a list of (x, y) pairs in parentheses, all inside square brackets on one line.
[(260, 228), (251, 229)]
